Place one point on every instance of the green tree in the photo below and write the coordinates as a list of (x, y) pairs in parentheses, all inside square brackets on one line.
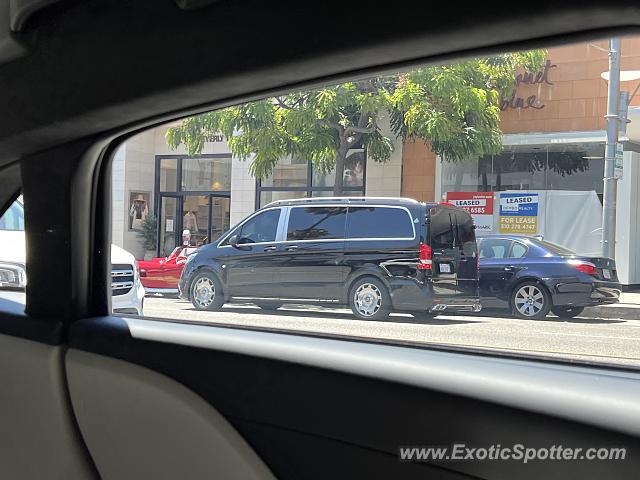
[(454, 108)]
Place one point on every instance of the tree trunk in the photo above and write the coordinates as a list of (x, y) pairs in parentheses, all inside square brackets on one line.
[(341, 155)]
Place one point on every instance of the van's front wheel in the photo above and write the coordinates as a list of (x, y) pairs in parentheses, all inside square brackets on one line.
[(206, 292), (369, 299)]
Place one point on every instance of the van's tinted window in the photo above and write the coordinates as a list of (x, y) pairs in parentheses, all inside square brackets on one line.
[(466, 233), (261, 228), (310, 223), (441, 226), (378, 222)]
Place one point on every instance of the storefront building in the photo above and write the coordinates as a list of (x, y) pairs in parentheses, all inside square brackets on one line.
[(554, 139), (208, 193), (554, 136)]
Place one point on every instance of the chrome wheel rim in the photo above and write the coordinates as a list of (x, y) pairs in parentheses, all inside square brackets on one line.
[(367, 299), (204, 291), (529, 300)]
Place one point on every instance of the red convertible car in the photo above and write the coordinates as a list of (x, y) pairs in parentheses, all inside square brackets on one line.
[(161, 275)]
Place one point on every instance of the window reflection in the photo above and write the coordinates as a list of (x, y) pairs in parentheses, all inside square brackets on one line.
[(532, 167)]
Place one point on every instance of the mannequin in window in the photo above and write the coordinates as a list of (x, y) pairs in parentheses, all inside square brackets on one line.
[(138, 213), (190, 222)]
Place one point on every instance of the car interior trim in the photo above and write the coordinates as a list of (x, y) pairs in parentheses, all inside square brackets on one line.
[(607, 398)]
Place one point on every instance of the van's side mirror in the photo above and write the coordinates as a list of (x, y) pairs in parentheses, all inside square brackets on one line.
[(234, 241)]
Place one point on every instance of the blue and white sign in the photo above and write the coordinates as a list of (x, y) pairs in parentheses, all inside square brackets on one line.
[(519, 204)]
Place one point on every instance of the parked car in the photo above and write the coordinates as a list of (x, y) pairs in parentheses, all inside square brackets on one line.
[(376, 255), (531, 277), (127, 293), (161, 274)]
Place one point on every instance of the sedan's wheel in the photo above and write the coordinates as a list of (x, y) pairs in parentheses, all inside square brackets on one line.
[(369, 299), (269, 305), (206, 292), (530, 300), (567, 312)]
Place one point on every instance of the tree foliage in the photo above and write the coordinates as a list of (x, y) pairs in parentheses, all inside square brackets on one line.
[(454, 108)]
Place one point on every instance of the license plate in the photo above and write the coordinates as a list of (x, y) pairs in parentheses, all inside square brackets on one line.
[(606, 273), (445, 268)]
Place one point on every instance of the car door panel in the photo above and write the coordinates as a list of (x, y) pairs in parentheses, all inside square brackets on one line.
[(265, 384), (498, 272), (250, 271), (250, 267), (311, 258), (446, 256), (310, 270), (162, 428)]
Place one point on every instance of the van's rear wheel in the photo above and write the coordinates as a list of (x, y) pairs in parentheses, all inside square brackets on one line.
[(369, 299), (206, 292)]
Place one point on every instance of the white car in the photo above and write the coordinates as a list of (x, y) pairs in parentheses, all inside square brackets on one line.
[(126, 289)]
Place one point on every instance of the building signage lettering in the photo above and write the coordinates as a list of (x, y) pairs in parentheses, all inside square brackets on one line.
[(528, 78), (215, 138)]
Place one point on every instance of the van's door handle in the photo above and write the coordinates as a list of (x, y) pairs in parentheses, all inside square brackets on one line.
[(270, 248), (509, 268), (291, 248)]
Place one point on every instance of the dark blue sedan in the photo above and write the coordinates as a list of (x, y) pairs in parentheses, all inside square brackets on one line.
[(532, 277)]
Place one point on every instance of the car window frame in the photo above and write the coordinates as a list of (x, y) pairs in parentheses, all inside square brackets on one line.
[(398, 207), (507, 250), (223, 242), (522, 244)]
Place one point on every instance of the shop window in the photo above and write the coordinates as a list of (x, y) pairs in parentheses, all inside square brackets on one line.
[(288, 173), (530, 167), (298, 179), (353, 172), (267, 197), (168, 174), (203, 174)]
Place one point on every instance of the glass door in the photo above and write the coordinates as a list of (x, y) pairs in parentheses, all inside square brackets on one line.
[(169, 225), (220, 217), (195, 217)]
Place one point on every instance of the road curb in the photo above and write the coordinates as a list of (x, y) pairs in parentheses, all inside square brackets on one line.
[(617, 311)]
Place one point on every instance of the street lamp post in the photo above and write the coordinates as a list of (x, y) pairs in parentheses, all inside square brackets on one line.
[(610, 186)]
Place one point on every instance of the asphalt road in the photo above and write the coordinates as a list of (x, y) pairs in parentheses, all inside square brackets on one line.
[(599, 340)]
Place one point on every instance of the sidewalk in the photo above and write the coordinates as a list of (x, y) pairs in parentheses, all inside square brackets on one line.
[(628, 308)]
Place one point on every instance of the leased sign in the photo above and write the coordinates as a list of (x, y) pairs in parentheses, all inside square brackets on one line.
[(478, 204), (519, 213)]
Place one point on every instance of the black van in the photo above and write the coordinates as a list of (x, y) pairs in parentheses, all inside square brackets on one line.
[(376, 255)]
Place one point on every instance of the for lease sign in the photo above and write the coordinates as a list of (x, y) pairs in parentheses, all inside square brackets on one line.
[(519, 213), (478, 204)]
